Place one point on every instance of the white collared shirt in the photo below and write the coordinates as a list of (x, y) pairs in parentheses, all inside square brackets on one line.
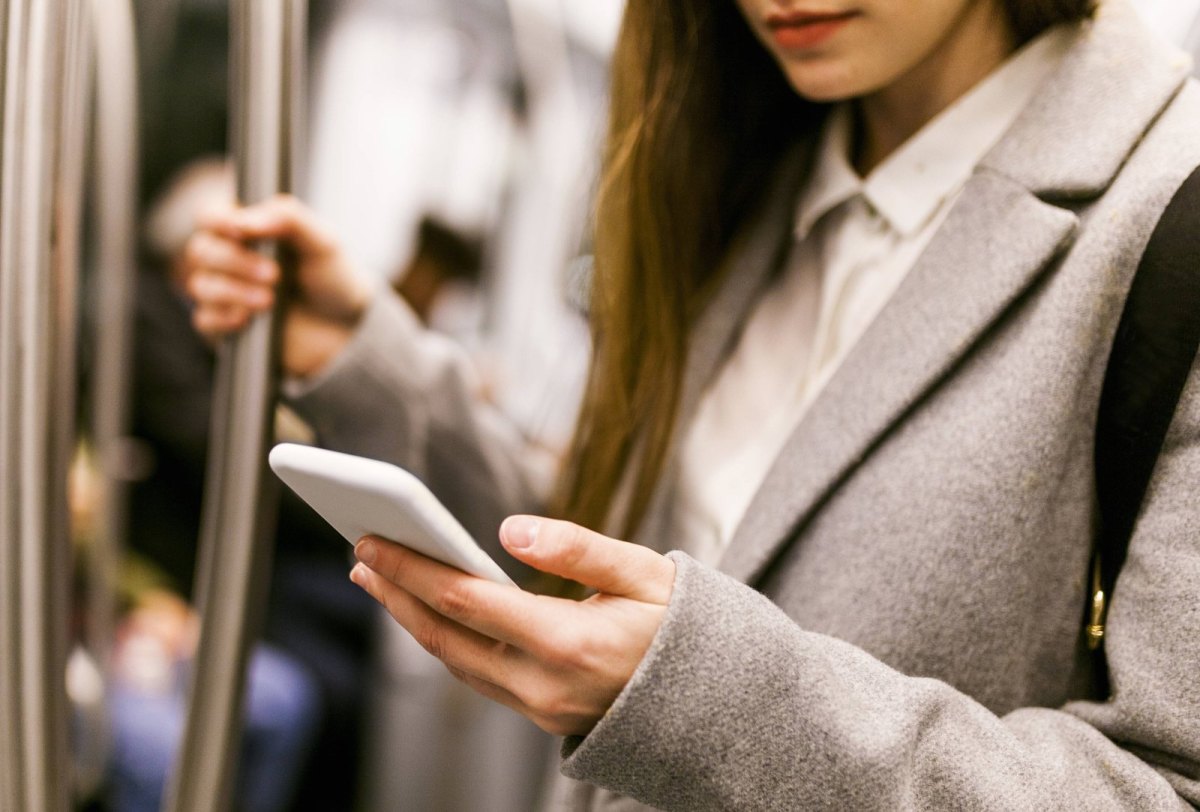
[(856, 239)]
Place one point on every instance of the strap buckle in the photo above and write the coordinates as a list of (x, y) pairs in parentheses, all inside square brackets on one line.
[(1094, 631)]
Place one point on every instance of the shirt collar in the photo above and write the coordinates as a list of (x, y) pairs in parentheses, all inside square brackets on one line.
[(911, 184), (833, 180)]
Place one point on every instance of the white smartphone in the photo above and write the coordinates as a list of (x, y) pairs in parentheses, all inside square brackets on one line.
[(364, 497)]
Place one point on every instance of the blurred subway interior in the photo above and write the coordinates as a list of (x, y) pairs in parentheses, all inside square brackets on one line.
[(453, 147)]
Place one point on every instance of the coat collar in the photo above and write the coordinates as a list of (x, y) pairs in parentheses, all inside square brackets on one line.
[(1076, 134), (997, 240)]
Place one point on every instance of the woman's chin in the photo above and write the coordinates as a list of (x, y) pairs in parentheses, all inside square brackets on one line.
[(819, 84)]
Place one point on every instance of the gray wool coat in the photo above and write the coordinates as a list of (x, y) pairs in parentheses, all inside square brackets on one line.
[(897, 623)]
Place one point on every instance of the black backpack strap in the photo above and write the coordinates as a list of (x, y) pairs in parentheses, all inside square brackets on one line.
[(1152, 354)]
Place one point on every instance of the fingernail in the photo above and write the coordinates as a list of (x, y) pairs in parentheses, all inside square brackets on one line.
[(359, 574), (265, 270), (366, 552), (519, 532)]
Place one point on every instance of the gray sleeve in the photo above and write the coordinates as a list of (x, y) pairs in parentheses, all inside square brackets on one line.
[(735, 706), (403, 394)]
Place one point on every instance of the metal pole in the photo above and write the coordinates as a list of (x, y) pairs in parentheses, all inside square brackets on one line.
[(115, 152), (12, 768), (267, 44), (39, 204)]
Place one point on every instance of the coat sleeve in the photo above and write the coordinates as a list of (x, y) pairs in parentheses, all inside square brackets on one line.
[(736, 707), (400, 393)]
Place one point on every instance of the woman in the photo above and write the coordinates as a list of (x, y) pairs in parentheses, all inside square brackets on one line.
[(858, 270)]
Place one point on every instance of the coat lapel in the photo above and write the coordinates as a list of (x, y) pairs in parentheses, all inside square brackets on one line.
[(942, 308), (998, 239)]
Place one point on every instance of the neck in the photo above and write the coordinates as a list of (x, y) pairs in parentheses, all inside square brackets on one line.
[(975, 46)]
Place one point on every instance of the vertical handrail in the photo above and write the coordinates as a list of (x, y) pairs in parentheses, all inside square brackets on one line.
[(267, 39), (40, 196), (115, 151), (39, 731), (11, 752)]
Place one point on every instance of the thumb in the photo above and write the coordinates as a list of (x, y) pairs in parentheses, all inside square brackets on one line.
[(574, 552)]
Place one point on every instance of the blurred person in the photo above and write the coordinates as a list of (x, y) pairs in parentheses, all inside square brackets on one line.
[(318, 626), (148, 707), (444, 261), (305, 683), (857, 274)]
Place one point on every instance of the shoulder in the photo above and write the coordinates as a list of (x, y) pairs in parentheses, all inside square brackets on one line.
[(1168, 151), (1170, 148), (1118, 115)]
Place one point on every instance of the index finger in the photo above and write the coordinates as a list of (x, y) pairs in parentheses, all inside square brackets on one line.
[(205, 249), (278, 217), (501, 612)]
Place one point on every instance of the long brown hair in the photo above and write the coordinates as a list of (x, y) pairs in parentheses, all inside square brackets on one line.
[(700, 118)]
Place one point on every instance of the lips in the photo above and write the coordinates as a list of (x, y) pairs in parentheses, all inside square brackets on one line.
[(799, 30)]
